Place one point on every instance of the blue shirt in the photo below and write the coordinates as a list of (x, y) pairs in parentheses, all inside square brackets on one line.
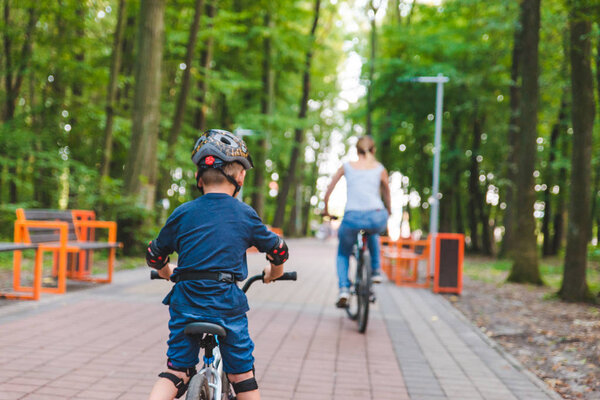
[(212, 233)]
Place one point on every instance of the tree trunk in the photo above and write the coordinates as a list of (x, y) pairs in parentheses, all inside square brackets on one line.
[(205, 60), (141, 168), (314, 173), (371, 67), (290, 178), (513, 135), (450, 190), (574, 285), (111, 95), (474, 191), (550, 181), (13, 80), (482, 211), (165, 173), (266, 107), (524, 249), (128, 61), (559, 213)]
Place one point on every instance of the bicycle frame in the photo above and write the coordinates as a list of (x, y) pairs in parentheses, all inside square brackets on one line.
[(213, 370)]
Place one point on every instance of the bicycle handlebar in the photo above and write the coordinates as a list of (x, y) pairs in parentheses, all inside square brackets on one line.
[(287, 276)]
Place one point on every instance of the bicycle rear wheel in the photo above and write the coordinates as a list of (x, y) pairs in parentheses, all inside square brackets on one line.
[(363, 292), (198, 389)]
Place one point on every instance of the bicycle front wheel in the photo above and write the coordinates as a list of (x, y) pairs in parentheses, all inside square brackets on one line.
[(363, 292), (352, 306), (198, 389)]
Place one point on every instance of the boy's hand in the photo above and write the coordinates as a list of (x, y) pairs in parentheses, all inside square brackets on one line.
[(166, 271), (272, 272)]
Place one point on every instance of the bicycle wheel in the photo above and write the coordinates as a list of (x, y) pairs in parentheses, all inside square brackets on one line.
[(352, 307), (364, 292), (227, 393), (198, 389)]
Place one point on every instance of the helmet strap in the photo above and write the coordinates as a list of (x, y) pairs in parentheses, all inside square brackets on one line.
[(230, 178)]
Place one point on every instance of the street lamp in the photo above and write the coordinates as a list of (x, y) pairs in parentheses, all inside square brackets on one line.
[(435, 205)]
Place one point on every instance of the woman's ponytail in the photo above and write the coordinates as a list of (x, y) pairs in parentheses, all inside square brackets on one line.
[(366, 147)]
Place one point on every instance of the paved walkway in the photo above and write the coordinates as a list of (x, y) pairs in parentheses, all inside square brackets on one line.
[(108, 342)]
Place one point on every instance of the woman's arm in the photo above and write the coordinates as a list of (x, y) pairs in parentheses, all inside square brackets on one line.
[(385, 191), (338, 175)]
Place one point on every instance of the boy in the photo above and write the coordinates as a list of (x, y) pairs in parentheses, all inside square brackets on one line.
[(211, 235)]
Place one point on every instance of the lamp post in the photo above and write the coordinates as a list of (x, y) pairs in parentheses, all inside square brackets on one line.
[(435, 190)]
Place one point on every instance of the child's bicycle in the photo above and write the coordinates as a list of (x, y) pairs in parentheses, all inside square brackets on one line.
[(211, 383)]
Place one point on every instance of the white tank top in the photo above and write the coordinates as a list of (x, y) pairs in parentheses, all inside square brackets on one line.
[(363, 188)]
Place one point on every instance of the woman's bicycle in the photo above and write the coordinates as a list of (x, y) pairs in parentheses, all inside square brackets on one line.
[(211, 383), (361, 294)]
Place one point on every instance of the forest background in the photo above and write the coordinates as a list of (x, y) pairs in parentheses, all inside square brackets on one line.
[(102, 101)]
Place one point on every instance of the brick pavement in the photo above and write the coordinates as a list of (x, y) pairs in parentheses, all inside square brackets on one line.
[(109, 342)]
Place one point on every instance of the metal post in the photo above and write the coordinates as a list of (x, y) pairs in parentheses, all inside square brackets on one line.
[(435, 195), (435, 205)]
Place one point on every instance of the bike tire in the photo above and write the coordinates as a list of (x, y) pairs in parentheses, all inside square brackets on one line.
[(227, 393), (352, 307), (364, 292), (198, 388)]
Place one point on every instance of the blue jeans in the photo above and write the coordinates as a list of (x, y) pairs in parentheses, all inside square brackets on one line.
[(373, 222)]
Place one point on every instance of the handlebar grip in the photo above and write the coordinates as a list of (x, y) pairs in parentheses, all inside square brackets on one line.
[(288, 276), (154, 274)]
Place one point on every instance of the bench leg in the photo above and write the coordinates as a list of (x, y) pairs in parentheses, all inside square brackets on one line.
[(17, 271), (109, 272)]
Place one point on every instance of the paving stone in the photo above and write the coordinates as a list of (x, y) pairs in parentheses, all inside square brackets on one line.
[(91, 344)]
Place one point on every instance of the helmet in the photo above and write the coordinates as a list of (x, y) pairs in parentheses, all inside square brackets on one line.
[(222, 146), (217, 147)]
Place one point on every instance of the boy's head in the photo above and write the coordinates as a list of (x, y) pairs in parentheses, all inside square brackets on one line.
[(221, 157)]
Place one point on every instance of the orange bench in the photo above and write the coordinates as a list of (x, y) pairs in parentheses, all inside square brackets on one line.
[(69, 235), (400, 261)]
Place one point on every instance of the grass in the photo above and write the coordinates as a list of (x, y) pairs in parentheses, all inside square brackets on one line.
[(495, 271)]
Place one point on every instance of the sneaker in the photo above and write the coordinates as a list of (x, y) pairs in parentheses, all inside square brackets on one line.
[(342, 301), (376, 277)]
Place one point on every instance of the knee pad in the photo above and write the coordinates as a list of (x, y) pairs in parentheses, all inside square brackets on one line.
[(177, 381), (247, 385)]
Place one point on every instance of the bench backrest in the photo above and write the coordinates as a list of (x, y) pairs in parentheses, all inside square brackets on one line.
[(42, 235)]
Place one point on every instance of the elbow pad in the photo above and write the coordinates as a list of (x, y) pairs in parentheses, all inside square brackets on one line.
[(278, 254), (154, 258)]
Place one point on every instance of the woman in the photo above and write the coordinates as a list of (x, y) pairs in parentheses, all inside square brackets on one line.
[(367, 183)]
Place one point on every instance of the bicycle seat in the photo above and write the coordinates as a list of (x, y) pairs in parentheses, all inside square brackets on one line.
[(200, 328)]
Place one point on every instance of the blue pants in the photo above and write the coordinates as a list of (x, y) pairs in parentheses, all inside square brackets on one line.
[(373, 222), (236, 348)]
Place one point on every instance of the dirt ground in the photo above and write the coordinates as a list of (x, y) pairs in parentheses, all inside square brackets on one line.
[(559, 342)]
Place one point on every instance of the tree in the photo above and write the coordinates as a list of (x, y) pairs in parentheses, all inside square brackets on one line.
[(266, 108), (141, 168), (513, 135), (372, 13), (290, 178), (111, 94), (574, 285), (184, 89), (524, 252)]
